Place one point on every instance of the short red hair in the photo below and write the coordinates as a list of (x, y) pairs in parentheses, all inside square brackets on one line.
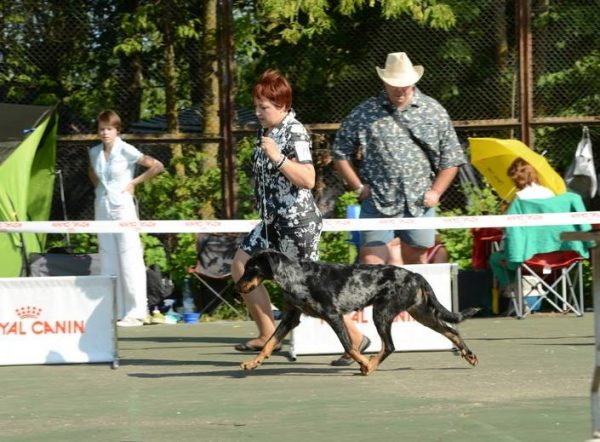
[(274, 87)]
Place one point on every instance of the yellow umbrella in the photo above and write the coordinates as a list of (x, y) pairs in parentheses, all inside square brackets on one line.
[(493, 156)]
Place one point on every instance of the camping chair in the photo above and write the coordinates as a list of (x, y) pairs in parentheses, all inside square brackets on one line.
[(546, 266), (213, 268), (556, 277), (486, 240)]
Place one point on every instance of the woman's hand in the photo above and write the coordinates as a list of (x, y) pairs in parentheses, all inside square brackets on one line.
[(154, 167), (130, 188), (269, 147)]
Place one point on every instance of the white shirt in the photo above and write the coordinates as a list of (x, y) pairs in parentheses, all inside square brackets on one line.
[(533, 192), (115, 172)]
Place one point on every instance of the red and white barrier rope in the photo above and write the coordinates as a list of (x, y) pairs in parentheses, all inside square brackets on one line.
[(335, 225)]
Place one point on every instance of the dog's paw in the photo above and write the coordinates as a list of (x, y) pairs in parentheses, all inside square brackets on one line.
[(250, 364), (471, 359), (366, 370)]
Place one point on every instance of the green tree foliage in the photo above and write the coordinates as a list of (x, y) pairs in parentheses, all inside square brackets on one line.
[(337, 246), (94, 55), (459, 242), (560, 28), (110, 53), (42, 27), (567, 72), (305, 18), (329, 49)]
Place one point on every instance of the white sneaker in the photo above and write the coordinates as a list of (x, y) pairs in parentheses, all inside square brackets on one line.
[(130, 322)]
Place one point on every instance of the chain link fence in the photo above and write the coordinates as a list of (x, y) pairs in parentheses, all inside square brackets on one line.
[(79, 56)]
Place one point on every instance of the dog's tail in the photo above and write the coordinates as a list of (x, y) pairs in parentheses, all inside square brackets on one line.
[(439, 310)]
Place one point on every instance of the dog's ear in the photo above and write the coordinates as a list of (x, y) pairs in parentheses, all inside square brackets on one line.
[(266, 263), (268, 257)]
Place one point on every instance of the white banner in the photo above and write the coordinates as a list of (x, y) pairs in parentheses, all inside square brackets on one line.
[(314, 336), (329, 225), (57, 320)]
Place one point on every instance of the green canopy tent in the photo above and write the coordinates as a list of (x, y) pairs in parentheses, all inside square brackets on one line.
[(27, 159)]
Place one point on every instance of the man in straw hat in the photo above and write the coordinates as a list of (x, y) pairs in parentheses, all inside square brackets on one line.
[(409, 155)]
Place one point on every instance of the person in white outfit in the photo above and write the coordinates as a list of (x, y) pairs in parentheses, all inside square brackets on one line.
[(112, 172)]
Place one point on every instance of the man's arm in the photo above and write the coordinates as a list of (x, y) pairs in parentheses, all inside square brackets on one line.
[(344, 167), (441, 183)]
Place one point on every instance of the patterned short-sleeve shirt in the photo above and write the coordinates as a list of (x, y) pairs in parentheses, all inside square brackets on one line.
[(395, 166), (277, 197)]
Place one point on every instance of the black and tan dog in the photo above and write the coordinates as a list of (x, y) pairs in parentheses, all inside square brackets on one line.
[(328, 291)]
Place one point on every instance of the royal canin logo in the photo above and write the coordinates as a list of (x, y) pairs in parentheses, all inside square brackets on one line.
[(30, 323), (28, 312)]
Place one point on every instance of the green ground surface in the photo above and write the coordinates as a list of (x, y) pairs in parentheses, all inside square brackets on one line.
[(183, 383)]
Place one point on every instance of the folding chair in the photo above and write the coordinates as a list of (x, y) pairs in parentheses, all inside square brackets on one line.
[(486, 240), (213, 268), (556, 277), (552, 268)]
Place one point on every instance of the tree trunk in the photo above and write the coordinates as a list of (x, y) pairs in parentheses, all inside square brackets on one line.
[(210, 104), (170, 73), (130, 101), (502, 54), (194, 56)]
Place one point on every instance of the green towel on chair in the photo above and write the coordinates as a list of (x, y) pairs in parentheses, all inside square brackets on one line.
[(522, 242)]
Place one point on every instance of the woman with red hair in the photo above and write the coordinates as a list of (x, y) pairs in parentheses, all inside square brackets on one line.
[(527, 181), (283, 178)]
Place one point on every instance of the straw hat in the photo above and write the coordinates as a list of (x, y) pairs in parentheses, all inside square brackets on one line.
[(399, 70)]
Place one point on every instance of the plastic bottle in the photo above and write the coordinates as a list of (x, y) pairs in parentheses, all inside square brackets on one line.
[(188, 297)]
